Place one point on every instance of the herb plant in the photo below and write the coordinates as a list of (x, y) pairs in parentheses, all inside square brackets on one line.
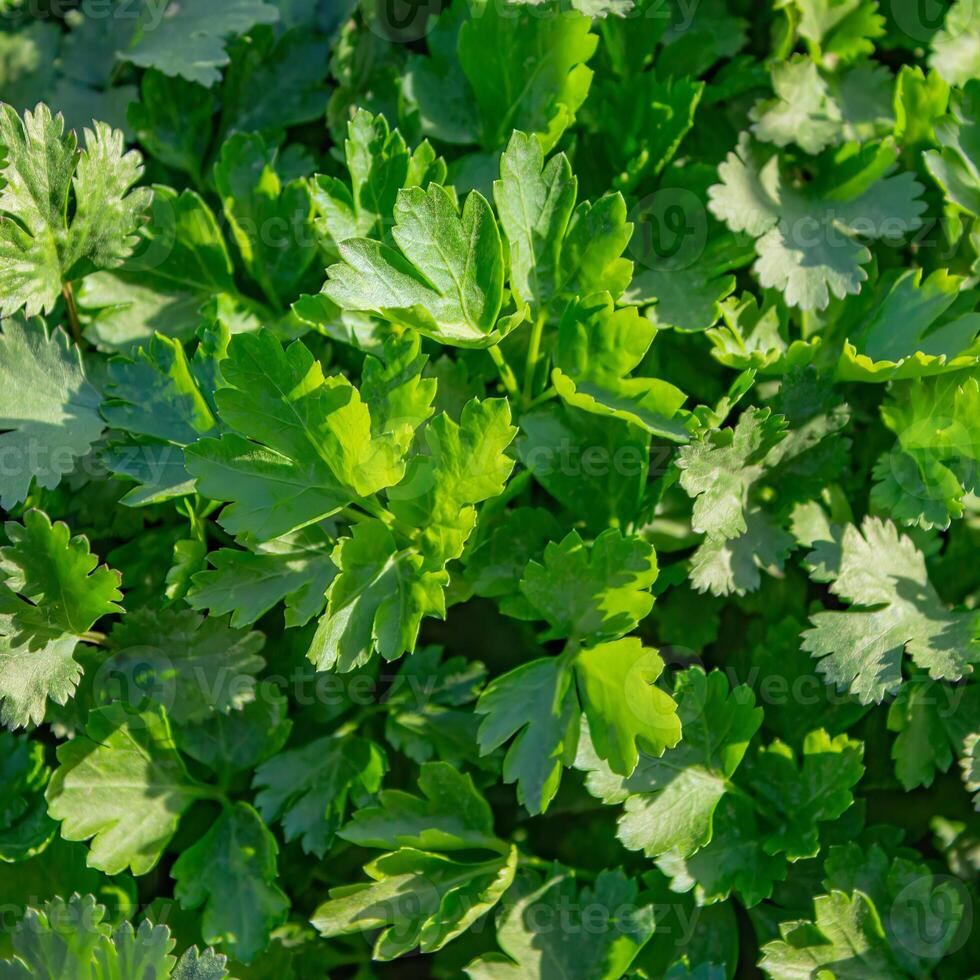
[(489, 489)]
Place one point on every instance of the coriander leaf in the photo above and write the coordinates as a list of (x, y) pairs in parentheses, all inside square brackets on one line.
[(970, 764), (49, 411), (670, 801), (25, 827), (802, 112), (466, 465), (846, 935), (920, 913), (231, 872), (310, 789), (301, 446), (954, 45), (619, 928), (295, 569), (51, 593), (535, 202), (190, 40), (44, 179), (376, 602), (193, 667), (916, 328), (123, 786), (624, 708), (719, 470), (806, 244), (537, 703), (933, 466), (597, 347), (270, 218), (801, 795), (73, 939), (380, 165), (180, 267), (418, 897), (860, 650), (934, 722), (446, 280), (734, 860), (591, 592)]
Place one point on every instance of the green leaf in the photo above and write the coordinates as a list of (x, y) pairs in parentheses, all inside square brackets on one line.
[(160, 393), (380, 165), (73, 941), (590, 593), (51, 593), (44, 179), (846, 934), (271, 220), (231, 873), (916, 328), (180, 267), (193, 667), (861, 649), (802, 112), (446, 279), (310, 789), (123, 786), (25, 827), (934, 722), (376, 602), (496, 69), (466, 465), (275, 80), (190, 42), (450, 816), (49, 412), (799, 796), (920, 912), (173, 120), (429, 709), (734, 860), (954, 45), (295, 569), (597, 347), (970, 764), (955, 166), (537, 703), (670, 801), (807, 244), (535, 202), (624, 708), (422, 898), (604, 950), (925, 479), (301, 446), (594, 465)]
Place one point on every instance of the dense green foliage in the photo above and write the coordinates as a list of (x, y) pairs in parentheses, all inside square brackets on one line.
[(489, 490)]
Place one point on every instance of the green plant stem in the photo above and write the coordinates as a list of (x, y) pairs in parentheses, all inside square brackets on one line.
[(506, 373), (72, 309), (533, 356)]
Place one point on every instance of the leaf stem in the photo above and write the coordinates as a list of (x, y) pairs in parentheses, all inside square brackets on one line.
[(533, 356), (505, 371), (73, 321)]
